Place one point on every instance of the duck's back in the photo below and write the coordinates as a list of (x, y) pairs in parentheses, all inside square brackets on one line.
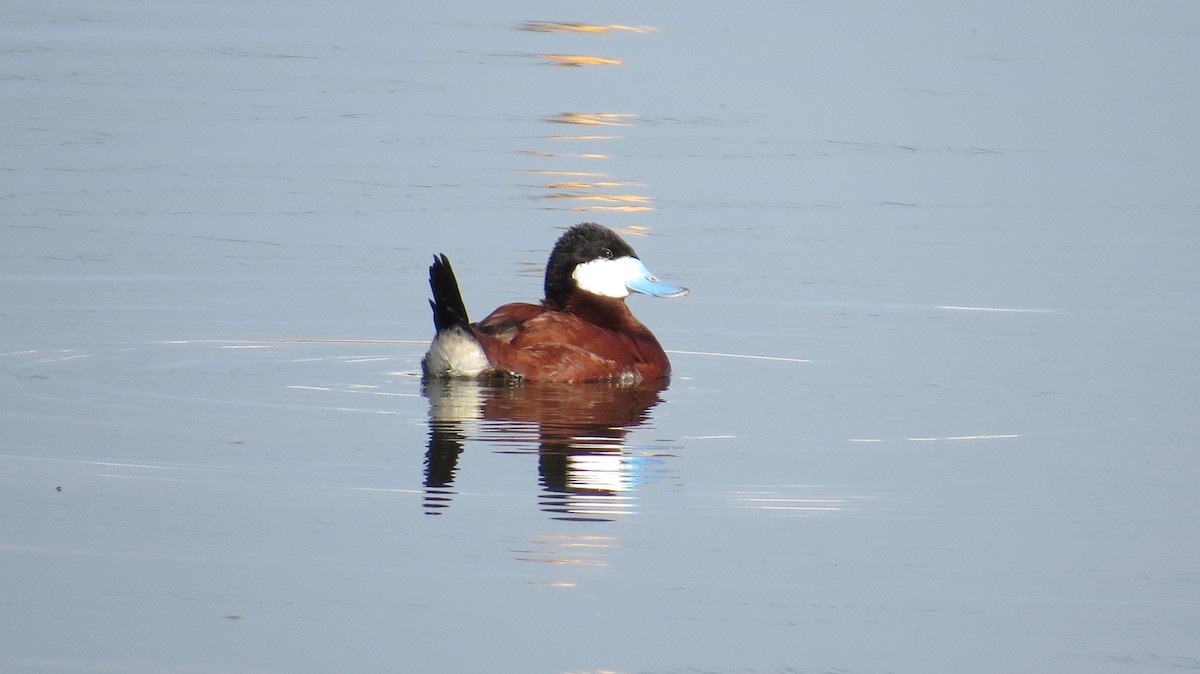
[(505, 322), (542, 344)]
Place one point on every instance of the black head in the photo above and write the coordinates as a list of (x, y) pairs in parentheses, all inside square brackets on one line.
[(582, 243)]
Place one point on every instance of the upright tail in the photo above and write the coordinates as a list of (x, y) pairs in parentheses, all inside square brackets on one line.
[(449, 310), (454, 352)]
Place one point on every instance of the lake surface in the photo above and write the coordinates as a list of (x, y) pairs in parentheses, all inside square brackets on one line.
[(935, 391)]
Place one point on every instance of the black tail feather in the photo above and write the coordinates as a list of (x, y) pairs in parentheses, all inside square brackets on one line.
[(449, 310)]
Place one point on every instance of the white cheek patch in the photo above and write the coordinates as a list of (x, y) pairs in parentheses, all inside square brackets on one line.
[(607, 277)]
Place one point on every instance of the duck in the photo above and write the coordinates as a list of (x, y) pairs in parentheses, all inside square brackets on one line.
[(582, 331)]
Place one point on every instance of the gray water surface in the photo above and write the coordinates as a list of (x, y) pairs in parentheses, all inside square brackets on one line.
[(935, 390)]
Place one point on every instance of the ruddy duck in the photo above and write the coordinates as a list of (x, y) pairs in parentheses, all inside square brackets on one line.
[(581, 332)]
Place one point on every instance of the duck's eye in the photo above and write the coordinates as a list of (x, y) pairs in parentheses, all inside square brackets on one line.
[(606, 253)]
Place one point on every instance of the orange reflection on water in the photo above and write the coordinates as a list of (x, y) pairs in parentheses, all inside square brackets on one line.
[(582, 155), (577, 27), (579, 194), (577, 60), (592, 118), (634, 230), (614, 209), (578, 185), (629, 203), (624, 198), (564, 549)]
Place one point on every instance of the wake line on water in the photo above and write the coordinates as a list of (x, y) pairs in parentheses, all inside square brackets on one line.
[(782, 359)]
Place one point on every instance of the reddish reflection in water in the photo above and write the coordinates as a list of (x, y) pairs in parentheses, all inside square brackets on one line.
[(578, 432)]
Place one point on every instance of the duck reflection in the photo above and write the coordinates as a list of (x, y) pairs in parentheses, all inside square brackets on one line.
[(578, 432)]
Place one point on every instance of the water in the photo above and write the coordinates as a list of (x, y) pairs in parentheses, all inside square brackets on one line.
[(934, 392)]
